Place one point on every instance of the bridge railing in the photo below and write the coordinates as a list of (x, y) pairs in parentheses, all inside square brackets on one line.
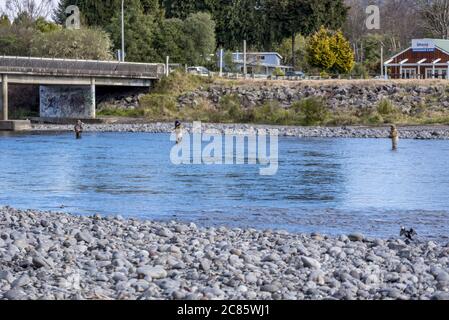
[(67, 67)]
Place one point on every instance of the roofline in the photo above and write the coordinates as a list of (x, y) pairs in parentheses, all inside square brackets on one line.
[(266, 52), (403, 51)]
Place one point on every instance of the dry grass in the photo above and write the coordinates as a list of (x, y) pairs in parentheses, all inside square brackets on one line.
[(330, 82)]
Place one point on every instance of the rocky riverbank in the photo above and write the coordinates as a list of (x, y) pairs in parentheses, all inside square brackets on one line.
[(46, 255), (407, 96), (410, 132)]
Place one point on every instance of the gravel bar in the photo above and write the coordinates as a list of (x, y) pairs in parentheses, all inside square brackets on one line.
[(410, 132), (57, 256)]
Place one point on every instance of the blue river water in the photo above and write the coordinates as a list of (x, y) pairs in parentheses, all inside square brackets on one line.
[(331, 186)]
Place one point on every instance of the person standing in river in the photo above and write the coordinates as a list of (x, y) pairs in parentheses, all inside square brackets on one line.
[(178, 131), (78, 129), (394, 136)]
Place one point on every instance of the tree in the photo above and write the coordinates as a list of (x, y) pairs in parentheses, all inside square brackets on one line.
[(229, 64), (199, 34), (344, 56), (320, 51), (291, 17), (86, 43), (180, 9), (140, 30), (169, 39), (44, 26), (435, 14), (330, 51), (4, 21), (15, 41), (285, 50)]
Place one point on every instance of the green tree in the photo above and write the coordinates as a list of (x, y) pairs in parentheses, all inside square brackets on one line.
[(180, 9), (320, 50), (343, 53), (169, 39), (228, 60), (100, 13), (330, 51), (93, 12), (4, 21), (291, 17), (140, 30), (285, 50), (199, 38), (43, 25)]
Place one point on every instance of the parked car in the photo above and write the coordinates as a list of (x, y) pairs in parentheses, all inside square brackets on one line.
[(201, 71), (295, 74)]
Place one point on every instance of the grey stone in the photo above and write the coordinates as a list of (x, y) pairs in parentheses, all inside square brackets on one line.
[(7, 276), (270, 288), (441, 296), (41, 262), (205, 265), (157, 272), (14, 294), (310, 263), (84, 236), (22, 281)]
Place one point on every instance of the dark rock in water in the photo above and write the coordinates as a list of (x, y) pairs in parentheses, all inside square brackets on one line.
[(356, 237)]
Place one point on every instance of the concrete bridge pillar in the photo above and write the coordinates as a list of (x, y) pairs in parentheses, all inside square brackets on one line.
[(4, 98), (92, 94), (67, 102)]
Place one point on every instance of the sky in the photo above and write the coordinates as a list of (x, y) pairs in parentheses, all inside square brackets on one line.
[(3, 5)]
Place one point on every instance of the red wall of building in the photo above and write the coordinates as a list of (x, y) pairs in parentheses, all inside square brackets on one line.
[(414, 57)]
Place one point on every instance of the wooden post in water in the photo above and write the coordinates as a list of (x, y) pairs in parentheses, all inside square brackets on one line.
[(4, 97)]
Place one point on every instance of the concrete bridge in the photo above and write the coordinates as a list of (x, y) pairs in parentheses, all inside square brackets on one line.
[(67, 87)]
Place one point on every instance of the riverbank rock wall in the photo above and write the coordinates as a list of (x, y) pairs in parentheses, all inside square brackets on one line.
[(337, 94)]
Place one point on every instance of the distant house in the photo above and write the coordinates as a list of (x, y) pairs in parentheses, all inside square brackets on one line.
[(425, 59), (261, 63)]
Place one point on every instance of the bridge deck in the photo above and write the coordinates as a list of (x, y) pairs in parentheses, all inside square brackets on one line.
[(79, 68)]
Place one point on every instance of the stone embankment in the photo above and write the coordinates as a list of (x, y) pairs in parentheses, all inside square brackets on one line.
[(412, 132), (45, 255), (408, 96)]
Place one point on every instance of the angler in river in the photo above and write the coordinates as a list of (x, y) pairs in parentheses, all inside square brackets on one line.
[(78, 129)]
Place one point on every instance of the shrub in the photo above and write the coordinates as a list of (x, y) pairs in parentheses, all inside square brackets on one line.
[(278, 72), (375, 118), (179, 82), (312, 111), (230, 106), (386, 107), (158, 106)]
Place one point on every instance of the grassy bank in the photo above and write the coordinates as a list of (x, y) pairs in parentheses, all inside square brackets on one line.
[(161, 105)]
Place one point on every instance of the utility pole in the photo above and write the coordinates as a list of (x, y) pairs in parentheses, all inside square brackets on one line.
[(381, 60), (244, 58), (167, 66), (221, 62), (123, 32)]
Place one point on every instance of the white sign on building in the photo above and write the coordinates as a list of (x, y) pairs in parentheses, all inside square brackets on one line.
[(423, 45)]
